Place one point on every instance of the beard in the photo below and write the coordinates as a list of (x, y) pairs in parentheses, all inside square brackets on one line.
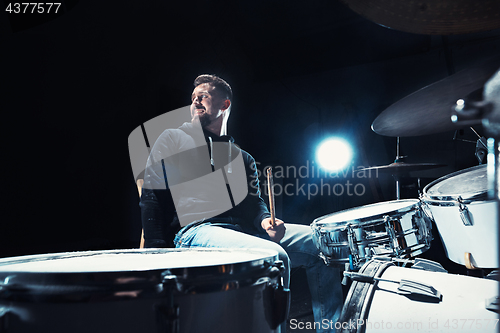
[(203, 118)]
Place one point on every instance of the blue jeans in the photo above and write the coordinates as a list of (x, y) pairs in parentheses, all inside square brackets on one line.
[(296, 249)]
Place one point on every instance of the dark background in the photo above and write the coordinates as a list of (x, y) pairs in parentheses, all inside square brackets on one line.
[(73, 89)]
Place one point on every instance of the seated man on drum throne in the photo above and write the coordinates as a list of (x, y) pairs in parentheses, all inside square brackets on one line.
[(212, 195)]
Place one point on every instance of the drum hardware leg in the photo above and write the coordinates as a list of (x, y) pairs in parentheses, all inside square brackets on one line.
[(281, 299), (4, 319), (472, 269), (277, 310), (469, 261), (168, 319), (347, 268)]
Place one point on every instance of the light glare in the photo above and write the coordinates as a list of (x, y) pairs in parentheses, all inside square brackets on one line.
[(334, 154)]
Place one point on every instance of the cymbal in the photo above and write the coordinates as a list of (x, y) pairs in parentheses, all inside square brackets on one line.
[(401, 168), (428, 110), (437, 17)]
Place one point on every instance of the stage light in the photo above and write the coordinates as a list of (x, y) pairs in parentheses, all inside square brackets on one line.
[(334, 154)]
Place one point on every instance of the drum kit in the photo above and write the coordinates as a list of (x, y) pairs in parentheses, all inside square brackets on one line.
[(376, 245), (168, 290)]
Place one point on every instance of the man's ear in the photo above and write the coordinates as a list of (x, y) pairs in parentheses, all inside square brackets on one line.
[(225, 105)]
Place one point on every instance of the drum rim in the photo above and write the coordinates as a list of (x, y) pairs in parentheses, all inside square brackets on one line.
[(365, 220), (268, 258), (474, 196), (362, 308)]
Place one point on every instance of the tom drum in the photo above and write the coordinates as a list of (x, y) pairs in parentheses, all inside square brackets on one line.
[(466, 220), (151, 290)]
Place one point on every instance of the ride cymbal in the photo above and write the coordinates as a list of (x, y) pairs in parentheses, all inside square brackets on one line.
[(437, 17), (428, 110)]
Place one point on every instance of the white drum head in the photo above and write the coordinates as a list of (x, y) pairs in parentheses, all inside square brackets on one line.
[(466, 183), (131, 260), (366, 213)]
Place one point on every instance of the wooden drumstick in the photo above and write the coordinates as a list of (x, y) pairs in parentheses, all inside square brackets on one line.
[(270, 188)]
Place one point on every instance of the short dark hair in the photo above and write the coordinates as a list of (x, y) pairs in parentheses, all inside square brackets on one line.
[(216, 82)]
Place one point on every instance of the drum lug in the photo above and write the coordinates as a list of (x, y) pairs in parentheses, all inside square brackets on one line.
[(423, 226), (426, 210), (277, 269), (465, 215), (392, 235), (428, 265), (351, 236), (492, 304)]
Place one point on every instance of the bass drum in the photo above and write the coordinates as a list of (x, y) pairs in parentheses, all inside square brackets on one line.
[(152, 290), (465, 304), (466, 220)]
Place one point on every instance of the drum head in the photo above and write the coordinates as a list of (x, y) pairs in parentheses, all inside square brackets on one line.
[(468, 184), (131, 260), (365, 214)]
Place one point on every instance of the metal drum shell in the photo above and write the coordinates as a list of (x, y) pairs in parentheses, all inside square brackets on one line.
[(331, 238), (212, 298), (480, 239)]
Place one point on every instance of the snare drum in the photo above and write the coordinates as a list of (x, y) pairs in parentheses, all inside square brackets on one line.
[(395, 228), (463, 303), (151, 290), (466, 220)]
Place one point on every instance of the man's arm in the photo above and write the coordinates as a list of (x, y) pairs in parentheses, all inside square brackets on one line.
[(157, 207), (157, 215)]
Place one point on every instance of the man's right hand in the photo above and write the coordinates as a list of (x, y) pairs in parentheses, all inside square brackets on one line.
[(277, 232)]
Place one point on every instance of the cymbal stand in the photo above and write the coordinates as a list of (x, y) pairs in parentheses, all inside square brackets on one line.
[(398, 159), (493, 169)]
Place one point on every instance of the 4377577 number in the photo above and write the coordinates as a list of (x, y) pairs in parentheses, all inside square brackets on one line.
[(33, 7)]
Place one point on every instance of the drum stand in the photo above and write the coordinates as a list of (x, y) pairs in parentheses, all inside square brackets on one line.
[(397, 177), (493, 169)]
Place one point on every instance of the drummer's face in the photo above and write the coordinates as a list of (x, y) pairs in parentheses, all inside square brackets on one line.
[(207, 105)]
